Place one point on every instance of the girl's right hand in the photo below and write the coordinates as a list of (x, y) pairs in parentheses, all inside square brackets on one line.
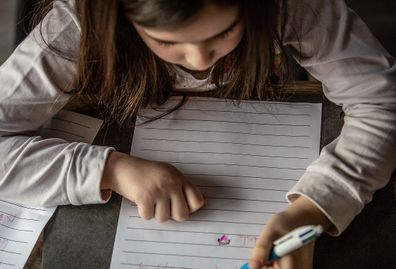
[(159, 190), (301, 212)]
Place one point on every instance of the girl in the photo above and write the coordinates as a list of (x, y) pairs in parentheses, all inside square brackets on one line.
[(118, 55)]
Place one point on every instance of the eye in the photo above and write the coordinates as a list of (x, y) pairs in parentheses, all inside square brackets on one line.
[(226, 33), (229, 31), (165, 43)]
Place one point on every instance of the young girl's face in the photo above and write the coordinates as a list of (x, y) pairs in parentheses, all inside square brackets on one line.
[(197, 44)]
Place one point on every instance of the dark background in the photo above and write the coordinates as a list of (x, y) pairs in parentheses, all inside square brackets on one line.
[(380, 16)]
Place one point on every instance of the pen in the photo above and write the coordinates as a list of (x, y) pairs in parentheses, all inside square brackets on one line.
[(291, 241)]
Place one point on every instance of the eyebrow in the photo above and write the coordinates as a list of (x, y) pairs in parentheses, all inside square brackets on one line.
[(207, 39)]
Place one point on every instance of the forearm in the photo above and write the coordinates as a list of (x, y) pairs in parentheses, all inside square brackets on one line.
[(357, 73), (49, 172)]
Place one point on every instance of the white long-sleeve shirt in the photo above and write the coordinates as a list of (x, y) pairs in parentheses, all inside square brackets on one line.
[(333, 45)]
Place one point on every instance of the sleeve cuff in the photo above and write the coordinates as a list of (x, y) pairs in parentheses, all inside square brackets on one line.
[(85, 175), (330, 196)]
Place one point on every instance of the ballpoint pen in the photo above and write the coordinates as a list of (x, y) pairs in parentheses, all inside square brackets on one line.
[(291, 241)]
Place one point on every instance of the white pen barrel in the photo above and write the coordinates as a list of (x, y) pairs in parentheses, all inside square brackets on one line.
[(284, 249)]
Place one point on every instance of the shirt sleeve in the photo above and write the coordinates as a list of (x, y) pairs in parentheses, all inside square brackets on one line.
[(333, 44), (34, 82)]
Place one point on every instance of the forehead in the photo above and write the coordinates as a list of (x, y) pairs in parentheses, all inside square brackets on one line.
[(211, 20)]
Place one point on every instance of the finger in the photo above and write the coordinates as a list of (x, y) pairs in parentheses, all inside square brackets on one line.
[(302, 258), (283, 263), (306, 257), (299, 259), (261, 250), (179, 208), (269, 267), (146, 210), (162, 210), (194, 197), (287, 262)]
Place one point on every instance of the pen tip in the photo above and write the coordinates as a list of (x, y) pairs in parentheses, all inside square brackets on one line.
[(245, 266)]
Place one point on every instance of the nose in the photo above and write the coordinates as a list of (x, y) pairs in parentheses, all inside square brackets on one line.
[(199, 57)]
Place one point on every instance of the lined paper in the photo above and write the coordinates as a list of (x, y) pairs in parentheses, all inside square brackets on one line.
[(71, 126), (21, 225), (243, 157)]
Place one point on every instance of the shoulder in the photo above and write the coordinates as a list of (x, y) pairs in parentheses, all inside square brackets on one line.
[(307, 15), (64, 11), (60, 28)]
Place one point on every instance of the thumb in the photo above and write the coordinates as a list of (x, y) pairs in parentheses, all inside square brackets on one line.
[(195, 199)]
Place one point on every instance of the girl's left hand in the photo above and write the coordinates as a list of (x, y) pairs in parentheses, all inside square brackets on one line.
[(301, 212)]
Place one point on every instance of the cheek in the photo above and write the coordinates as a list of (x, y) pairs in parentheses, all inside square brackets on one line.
[(227, 46), (167, 54)]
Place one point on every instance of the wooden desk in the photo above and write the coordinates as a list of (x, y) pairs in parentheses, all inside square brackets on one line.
[(83, 237)]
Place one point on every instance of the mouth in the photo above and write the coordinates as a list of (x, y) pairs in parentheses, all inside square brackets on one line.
[(193, 71)]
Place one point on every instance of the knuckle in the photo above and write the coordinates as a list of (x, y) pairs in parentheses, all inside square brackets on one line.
[(145, 198), (167, 182), (170, 176)]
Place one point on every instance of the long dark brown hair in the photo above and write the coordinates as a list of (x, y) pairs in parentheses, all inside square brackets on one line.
[(117, 73)]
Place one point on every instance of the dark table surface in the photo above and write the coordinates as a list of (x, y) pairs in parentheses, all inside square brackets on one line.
[(83, 236)]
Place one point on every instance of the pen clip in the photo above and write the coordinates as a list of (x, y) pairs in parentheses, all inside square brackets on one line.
[(300, 232), (283, 239)]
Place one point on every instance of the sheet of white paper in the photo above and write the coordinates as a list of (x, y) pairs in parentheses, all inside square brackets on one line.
[(21, 225), (244, 158), (71, 126)]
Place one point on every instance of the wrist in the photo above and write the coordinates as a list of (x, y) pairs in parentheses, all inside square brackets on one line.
[(309, 213), (301, 212), (109, 175)]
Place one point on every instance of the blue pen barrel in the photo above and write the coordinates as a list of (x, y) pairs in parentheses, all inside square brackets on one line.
[(273, 256)]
